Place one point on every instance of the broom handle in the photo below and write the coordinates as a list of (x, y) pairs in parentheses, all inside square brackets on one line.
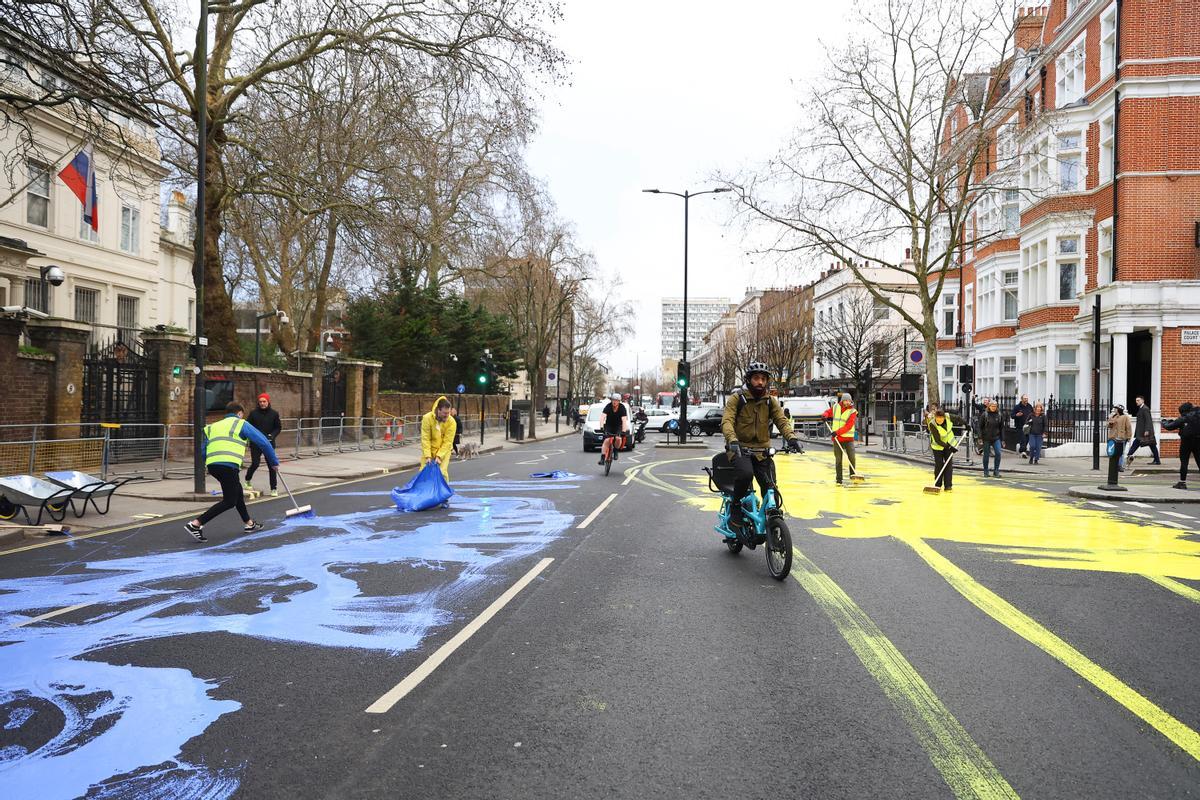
[(286, 489), (938, 477), (853, 471)]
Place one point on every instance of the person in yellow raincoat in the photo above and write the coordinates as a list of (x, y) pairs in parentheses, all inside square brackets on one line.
[(437, 436)]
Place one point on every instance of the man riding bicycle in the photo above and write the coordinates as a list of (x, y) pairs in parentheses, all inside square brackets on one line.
[(615, 423), (746, 425)]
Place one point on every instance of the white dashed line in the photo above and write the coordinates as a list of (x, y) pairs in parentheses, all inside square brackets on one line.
[(596, 513), (50, 615), (1139, 505), (1176, 514), (1137, 514), (1101, 504), (1171, 524)]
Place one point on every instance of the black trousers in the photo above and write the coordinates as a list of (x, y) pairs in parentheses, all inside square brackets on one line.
[(231, 493), (746, 470), (256, 457), (940, 457), (1189, 447)]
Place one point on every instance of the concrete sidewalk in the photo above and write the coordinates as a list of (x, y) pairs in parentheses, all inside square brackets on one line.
[(145, 501), (1140, 493)]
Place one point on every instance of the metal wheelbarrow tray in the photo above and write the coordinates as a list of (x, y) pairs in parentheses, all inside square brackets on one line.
[(21, 492), (87, 489)]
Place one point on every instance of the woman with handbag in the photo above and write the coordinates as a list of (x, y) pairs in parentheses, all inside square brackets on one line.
[(1120, 431), (1036, 429)]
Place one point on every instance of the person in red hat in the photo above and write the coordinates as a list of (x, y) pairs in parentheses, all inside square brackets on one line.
[(266, 420)]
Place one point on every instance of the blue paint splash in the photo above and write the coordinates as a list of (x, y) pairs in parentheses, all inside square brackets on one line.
[(123, 727)]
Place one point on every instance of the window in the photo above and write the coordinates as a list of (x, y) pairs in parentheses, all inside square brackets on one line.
[(1010, 295), (1067, 356), (881, 308), (1104, 268), (1012, 210), (127, 315), (1066, 386), (191, 319), (37, 294), (947, 391), (1035, 166), (947, 370), (1069, 72), (130, 219), (1108, 41), (949, 318), (1008, 365), (1034, 268), (218, 394), (37, 196), (87, 304), (1006, 145), (969, 309), (1070, 158), (85, 231), (1008, 386), (1105, 158), (1067, 277), (880, 356)]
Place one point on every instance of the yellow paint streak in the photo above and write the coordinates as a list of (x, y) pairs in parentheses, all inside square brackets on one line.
[(1025, 626), (963, 765), (1181, 589)]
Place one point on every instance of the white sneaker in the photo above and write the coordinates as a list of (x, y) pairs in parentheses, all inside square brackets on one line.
[(274, 493), (247, 485)]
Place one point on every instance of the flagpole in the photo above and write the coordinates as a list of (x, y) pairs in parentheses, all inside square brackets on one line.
[(198, 389)]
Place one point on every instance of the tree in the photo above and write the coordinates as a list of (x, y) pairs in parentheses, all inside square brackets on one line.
[(851, 339), (786, 347), (898, 149)]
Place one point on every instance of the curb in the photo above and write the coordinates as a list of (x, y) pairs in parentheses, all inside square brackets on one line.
[(1095, 493), (958, 465), (538, 440)]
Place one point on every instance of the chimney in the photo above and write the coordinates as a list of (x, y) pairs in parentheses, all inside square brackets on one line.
[(1028, 33), (179, 216)]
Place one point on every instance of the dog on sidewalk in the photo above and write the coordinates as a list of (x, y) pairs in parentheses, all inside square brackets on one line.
[(468, 450)]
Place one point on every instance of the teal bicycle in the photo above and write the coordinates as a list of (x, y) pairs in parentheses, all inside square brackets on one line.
[(763, 522)]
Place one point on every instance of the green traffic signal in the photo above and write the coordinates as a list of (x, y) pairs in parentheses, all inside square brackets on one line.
[(483, 380), (681, 382)]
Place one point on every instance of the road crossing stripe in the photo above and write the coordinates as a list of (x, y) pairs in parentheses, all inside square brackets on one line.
[(1035, 633), (596, 513), (1171, 524), (1172, 585), (1138, 514), (963, 765), (1181, 516), (1138, 504), (414, 678), (50, 615), (1101, 504)]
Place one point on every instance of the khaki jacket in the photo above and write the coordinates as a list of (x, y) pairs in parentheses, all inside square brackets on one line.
[(752, 427), (1120, 428)]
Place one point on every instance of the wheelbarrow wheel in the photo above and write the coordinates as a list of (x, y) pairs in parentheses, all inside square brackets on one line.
[(8, 509)]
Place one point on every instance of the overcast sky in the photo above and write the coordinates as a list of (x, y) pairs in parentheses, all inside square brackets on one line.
[(665, 94)]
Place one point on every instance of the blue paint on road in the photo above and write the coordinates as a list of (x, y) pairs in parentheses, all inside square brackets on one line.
[(118, 729)]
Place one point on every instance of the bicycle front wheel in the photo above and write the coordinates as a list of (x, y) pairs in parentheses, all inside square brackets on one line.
[(779, 548), (607, 465)]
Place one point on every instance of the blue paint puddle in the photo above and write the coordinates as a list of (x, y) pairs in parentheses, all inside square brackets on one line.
[(117, 730)]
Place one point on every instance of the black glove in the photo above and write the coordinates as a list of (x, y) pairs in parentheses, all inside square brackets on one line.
[(952, 449), (735, 450), (793, 445)]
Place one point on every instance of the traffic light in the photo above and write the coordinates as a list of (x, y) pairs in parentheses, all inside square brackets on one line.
[(684, 376), (483, 370)]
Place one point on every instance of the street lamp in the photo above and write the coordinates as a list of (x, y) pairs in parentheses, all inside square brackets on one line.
[(686, 195), (283, 320), (569, 294), (198, 394)]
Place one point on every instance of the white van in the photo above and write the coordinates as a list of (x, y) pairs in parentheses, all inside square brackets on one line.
[(806, 410)]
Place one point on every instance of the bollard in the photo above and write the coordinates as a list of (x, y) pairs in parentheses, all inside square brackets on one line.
[(1114, 467)]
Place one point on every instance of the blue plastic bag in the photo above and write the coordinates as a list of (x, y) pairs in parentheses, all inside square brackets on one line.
[(557, 475), (427, 489)]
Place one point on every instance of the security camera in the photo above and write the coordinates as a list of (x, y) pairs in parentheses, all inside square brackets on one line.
[(25, 311), (283, 318), (54, 275)]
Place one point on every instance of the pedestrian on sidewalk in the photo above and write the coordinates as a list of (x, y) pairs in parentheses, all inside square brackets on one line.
[(545, 413), (1021, 413), (437, 436), (266, 420), (991, 431), (1037, 431), (841, 420), (1120, 431), (457, 430), (1143, 433), (224, 447), (1188, 425), (944, 445)]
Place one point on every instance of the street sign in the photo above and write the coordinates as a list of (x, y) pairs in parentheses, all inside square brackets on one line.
[(461, 389), (551, 378), (916, 355), (1189, 336)]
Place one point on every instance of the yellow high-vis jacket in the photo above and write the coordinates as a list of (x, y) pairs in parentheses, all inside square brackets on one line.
[(437, 439)]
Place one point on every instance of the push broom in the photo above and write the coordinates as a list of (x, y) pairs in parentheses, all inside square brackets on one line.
[(854, 476), (299, 510), (935, 489)]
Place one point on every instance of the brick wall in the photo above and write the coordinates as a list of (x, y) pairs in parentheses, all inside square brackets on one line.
[(1042, 316), (1156, 229), (27, 391), (1180, 383), (403, 404)]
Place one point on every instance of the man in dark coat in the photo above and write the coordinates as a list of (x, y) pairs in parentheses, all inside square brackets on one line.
[(266, 420), (1143, 433), (1021, 413), (1188, 425), (991, 430)]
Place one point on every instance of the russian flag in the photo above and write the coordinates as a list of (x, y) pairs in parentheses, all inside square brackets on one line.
[(80, 178)]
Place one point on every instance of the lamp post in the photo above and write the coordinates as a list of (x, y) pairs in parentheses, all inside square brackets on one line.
[(198, 392), (686, 195), (258, 318), (568, 302)]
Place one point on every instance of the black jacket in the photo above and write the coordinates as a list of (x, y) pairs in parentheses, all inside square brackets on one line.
[(1037, 425), (991, 426), (1021, 413), (267, 421), (1144, 432), (1187, 424)]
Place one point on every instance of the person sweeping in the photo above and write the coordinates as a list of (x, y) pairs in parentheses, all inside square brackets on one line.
[(944, 445), (841, 419), (437, 436), (224, 448)]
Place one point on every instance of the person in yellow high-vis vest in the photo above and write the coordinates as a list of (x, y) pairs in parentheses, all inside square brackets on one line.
[(437, 436), (224, 447), (944, 444)]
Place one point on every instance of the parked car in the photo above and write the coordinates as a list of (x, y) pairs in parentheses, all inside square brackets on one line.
[(593, 434), (657, 417), (708, 422)]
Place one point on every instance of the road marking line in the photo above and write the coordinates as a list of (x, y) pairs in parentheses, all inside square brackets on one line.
[(147, 515), (1101, 503), (963, 765), (50, 615), (491, 474), (314, 483), (1176, 514), (596, 513), (630, 476), (1137, 514), (1172, 585), (414, 678), (1138, 504), (1035, 633)]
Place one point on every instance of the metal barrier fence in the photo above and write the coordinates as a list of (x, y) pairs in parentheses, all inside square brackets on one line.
[(157, 452)]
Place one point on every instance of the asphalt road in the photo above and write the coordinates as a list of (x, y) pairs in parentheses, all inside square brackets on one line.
[(997, 642)]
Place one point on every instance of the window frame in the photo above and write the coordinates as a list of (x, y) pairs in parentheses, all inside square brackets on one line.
[(33, 166), (131, 221)]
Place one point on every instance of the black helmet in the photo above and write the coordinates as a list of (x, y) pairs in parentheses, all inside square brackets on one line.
[(756, 366)]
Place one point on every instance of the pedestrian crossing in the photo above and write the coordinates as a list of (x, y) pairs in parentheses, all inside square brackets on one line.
[(1192, 520)]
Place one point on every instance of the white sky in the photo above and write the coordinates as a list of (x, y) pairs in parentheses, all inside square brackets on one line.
[(664, 94)]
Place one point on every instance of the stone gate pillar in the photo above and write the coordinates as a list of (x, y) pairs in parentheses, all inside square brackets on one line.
[(67, 341)]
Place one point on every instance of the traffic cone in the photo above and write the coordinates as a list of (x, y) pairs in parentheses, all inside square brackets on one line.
[(387, 433)]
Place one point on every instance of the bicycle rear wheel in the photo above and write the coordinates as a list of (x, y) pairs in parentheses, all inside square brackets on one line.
[(608, 463), (779, 548)]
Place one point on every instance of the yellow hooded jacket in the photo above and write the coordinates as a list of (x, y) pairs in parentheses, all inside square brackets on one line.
[(437, 439)]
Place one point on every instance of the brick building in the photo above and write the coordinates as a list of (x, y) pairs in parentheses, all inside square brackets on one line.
[(1095, 198)]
